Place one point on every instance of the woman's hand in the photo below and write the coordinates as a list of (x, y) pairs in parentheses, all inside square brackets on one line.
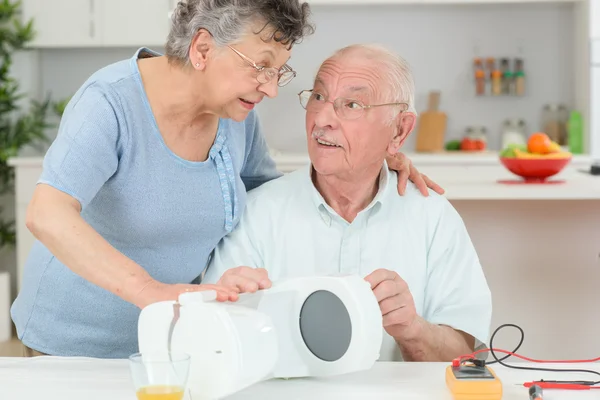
[(245, 279), (155, 291), (402, 164)]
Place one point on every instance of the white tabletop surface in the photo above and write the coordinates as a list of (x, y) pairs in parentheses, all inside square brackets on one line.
[(52, 378)]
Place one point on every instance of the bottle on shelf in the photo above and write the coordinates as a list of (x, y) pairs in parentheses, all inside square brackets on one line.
[(519, 77), (479, 77), (575, 132)]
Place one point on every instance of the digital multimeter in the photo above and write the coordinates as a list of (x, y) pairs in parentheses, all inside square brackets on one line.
[(469, 382)]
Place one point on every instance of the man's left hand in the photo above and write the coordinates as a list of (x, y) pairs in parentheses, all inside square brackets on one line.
[(395, 301), (402, 164)]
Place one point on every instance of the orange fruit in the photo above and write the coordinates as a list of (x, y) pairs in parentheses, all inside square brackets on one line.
[(539, 143)]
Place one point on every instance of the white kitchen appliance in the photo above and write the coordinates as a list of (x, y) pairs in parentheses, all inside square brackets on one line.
[(313, 326)]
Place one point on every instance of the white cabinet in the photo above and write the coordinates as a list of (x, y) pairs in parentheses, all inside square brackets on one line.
[(98, 23), (133, 22), (62, 23)]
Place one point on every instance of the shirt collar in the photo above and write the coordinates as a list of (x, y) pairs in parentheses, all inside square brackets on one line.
[(321, 204)]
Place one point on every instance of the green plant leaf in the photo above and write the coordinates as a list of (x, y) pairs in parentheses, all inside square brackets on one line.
[(19, 127)]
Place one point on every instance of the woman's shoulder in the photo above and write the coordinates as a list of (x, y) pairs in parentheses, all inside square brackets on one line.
[(114, 83)]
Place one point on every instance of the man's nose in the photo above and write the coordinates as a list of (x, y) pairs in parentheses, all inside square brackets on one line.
[(326, 116), (270, 89)]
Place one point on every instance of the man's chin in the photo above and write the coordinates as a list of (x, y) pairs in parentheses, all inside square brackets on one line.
[(324, 167)]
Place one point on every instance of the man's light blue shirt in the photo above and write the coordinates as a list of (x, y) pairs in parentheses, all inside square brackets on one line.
[(291, 231), (164, 212)]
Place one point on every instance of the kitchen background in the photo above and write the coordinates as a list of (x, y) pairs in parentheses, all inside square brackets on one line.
[(538, 243), (439, 41)]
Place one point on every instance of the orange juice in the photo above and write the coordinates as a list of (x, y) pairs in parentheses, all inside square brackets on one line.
[(160, 392)]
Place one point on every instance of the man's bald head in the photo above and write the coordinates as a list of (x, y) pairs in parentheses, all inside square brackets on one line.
[(397, 84)]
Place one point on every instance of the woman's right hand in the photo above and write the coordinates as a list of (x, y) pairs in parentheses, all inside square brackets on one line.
[(155, 291)]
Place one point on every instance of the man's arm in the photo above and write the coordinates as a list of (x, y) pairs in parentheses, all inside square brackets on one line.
[(424, 341), (458, 302), (457, 308)]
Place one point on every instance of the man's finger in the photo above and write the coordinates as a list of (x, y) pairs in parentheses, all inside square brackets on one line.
[(391, 304), (395, 317), (385, 290), (380, 275)]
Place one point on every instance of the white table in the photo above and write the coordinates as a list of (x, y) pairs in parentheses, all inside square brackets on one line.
[(51, 378)]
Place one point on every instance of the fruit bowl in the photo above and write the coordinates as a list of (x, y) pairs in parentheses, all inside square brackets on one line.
[(535, 169)]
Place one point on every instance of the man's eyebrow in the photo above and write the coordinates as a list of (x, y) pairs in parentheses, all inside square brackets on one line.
[(357, 88), (319, 81)]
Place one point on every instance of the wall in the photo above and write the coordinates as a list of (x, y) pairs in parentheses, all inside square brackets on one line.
[(439, 42), (542, 262)]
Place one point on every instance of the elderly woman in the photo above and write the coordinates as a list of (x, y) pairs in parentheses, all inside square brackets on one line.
[(149, 171)]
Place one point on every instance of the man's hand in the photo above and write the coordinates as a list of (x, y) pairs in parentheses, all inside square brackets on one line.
[(155, 291), (245, 279), (395, 301), (402, 164)]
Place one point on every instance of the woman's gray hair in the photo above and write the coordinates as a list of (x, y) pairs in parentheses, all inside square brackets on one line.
[(396, 75), (286, 21)]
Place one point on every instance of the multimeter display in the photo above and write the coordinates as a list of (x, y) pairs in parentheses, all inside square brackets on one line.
[(467, 372)]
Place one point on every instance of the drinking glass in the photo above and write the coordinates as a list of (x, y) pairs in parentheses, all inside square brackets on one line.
[(161, 376)]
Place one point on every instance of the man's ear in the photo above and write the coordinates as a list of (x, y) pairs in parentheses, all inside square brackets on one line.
[(202, 45), (404, 124)]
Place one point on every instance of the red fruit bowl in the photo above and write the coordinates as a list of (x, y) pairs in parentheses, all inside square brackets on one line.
[(535, 170)]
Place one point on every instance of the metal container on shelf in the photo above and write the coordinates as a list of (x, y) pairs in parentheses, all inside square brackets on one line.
[(554, 122)]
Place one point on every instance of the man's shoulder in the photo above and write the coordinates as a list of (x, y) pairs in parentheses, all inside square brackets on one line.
[(413, 197)]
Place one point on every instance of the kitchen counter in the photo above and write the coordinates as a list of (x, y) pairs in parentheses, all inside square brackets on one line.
[(476, 176), (472, 176), (490, 183), (290, 161)]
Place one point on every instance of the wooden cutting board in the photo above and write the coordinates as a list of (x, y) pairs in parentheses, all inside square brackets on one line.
[(432, 126)]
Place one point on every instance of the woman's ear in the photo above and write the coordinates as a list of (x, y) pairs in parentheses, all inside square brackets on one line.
[(201, 46), (404, 123)]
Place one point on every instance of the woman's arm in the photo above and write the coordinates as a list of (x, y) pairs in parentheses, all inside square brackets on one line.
[(54, 219)]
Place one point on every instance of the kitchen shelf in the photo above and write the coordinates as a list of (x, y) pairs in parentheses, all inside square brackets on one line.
[(288, 162)]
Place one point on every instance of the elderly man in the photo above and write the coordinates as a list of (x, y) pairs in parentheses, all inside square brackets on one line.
[(342, 214)]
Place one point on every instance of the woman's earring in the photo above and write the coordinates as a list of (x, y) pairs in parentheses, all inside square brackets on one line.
[(197, 65)]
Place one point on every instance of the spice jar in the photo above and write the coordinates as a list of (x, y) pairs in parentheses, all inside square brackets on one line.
[(519, 77), (496, 82), (554, 122)]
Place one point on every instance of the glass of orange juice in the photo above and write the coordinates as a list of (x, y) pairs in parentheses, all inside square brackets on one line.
[(161, 376)]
